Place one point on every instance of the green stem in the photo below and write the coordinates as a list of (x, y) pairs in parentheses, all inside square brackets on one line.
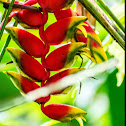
[(6, 18), (4, 15), (103, 19), (111, 14), (6, 43)]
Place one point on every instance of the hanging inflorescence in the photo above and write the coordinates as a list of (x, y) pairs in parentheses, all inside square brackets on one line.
[(71, 32)]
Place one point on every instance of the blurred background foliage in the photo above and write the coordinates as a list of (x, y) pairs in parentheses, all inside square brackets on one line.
[(102, 98)]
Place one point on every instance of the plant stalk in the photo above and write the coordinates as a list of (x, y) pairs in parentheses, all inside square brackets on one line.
[(104, 5), (103, 19), (6, 18), (6, 43)]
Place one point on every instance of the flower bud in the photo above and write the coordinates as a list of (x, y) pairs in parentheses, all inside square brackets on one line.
[(61, 31), (27, 65), (62, 57), (61, 112), (24, 85), (28, 42)]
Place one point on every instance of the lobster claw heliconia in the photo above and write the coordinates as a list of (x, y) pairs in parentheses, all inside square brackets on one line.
[(28, 42), (24, 85), (62, 57), (27, 65), (61, 31), (63, 113), (31, 19), (94, 44), (95, 50)]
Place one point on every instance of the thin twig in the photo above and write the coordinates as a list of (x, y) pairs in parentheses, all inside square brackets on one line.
[(28, 7)]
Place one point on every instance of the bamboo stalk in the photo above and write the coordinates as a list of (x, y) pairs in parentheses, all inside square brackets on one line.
[(104, 5), (6, 43), (103, 19)]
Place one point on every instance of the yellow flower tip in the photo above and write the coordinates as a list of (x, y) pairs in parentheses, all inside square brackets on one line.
[(11, 29), (10, 49), (83, 30), (12, 74), (77, 19), (83, 118), (84, 24), (79, 119)]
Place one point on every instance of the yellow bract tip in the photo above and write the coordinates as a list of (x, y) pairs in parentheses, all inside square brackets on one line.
[(82, 29), (80, 121), (11, 29)]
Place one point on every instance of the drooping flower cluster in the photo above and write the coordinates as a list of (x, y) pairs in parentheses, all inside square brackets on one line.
[(69, 27)]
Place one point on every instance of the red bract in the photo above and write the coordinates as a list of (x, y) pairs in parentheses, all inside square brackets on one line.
[(53, 5), (61, 112), (31, 19), (61, 31), (24, 85), (29, 42), (27, 65), (62, 57)]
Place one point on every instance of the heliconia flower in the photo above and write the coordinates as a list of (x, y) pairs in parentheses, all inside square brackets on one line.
[(60, 75), (53, 5), (62, 31), (25, 18), (93, 43), (63, 113), (27, 65), (62, 57), (95, 50), (24, 85), (28, 42)]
